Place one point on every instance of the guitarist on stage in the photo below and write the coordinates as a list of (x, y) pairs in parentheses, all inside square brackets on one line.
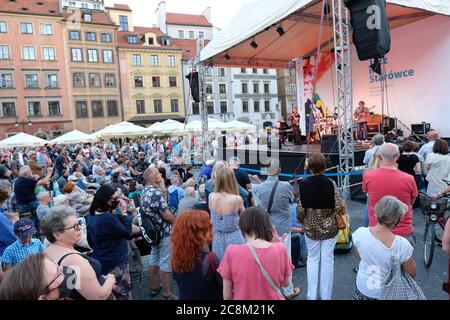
[(361, 115), (294, 119)]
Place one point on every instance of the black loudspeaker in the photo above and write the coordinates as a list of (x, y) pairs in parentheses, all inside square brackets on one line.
[(329, 144), (421, 128), (222, 142), (195, 89), (274, 142), (370, 28)]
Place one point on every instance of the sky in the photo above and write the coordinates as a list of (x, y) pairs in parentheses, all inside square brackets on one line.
[(222, 11)]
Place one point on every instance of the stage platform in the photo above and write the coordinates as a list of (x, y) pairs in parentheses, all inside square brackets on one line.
[(292, 157)]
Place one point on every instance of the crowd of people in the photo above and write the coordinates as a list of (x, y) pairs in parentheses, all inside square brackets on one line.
[(69, 222)]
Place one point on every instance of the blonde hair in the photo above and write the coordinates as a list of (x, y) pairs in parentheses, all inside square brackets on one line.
[(217, 166), (225, 181)]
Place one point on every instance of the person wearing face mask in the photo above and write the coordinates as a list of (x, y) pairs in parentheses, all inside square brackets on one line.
[(37, 278), (109, 229), (63, 230)]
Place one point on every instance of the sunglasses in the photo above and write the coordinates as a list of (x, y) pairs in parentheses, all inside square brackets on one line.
[(77, 226), (60, 273)]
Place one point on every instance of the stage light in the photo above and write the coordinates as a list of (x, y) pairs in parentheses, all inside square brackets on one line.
[(227, 57), (280, 30), (254, 44), (376, 66)]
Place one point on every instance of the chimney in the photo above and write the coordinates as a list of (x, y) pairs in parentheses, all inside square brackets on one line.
[(161, 14), (207, 14)]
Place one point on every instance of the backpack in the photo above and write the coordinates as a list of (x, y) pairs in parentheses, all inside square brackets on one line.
[(150, 228), (173, 200)]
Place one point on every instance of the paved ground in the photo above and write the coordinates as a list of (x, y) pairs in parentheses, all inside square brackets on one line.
[(430, 279)]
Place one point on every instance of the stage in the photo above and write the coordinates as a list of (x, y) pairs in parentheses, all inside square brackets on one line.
[(292, 157)]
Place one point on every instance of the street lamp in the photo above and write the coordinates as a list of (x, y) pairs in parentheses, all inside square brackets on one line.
[(23, 122)]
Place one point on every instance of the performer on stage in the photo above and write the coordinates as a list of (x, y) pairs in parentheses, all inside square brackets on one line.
[(282, 126), (361, 114), (294, 119)]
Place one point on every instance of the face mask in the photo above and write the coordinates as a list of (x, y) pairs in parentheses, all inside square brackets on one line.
[(69, 283)]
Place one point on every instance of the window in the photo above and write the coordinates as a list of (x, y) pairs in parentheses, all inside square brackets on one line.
[(243, 70), (6, 80), (78, 79), (166, 41), (3, 27), (110, 80), (51, 80), (291, 72), (210, 107), (28, 53), (255, 87), (181, 34), (4, 52), (94, 80), (46, 29), (107, 56), (77, 56), (9, 109), (201, 34), (91, 36), (221, 72), (87, 17), (244, 88), (191, 34), (48, 54), (266, 88), (255, 70), (140, 106), (92, 55), (195, 108), (81, 109), (31, 81), (138, 82), (123, 21), (106, 37), (171, 61), (222, 88), (155, 82), (223, 107), (54, 108), (26, 28), (256, 106), (154, 60), (34, 108), (266, 106), (74, 35), (158, 106), (151, 41), (245, 106), (292, 88), (132, 39), (208, 72), (209, 88), (113, 111), (136, 60), (97, 109), (172, 82), (174, 105)]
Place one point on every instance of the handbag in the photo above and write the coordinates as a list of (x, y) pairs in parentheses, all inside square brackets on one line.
[(264, 272), (340, 222), (399, 285)]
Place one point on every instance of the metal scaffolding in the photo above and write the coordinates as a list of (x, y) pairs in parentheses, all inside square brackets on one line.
[(201, 68), (344, 94)]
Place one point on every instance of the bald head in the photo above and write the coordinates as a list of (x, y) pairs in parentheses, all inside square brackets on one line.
[(433, 135), (389, 153), (152, 176)]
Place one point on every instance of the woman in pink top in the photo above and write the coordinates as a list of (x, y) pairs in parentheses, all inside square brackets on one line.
[(242, 276)]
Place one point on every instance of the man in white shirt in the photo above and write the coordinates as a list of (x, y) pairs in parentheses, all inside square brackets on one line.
[(428, 147)]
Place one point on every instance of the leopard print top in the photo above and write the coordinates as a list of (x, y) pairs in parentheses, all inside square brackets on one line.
[(320, 224)]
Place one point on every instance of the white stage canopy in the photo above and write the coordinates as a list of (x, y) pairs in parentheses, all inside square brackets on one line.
[(22, 140), (122, 129), (300, 20), (239, 126), (74, 137)]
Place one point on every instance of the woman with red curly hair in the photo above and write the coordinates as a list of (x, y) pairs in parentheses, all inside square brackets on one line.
[(193, 265)]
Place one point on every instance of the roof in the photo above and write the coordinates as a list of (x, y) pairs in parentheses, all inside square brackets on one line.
[(119, 6), (189, 47), (155, 118), (187, 19), (33, 7), (98, 17), (140, 31)]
